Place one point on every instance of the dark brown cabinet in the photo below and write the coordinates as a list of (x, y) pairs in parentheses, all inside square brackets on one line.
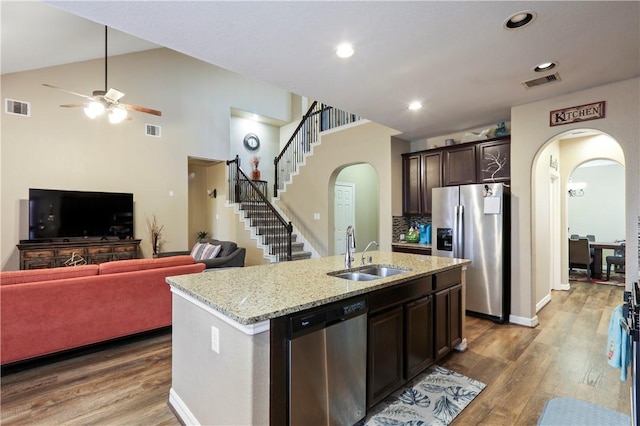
[(494, 162), (468, 163), (432, 175), (412, 184), (385, 355), (418, 319), (448, 320), (421, 173), (460, 165)]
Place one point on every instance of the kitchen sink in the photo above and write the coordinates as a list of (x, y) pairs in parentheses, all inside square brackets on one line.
[(356, 276), (382, 271), (368, 273)]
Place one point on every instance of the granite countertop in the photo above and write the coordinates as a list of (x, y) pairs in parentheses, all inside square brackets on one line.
[(257, 293)]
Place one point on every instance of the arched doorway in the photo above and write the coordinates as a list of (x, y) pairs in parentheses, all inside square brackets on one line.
[(362, 182), (551, 169)]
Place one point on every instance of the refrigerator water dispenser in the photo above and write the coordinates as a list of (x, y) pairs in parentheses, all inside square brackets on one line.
[(444, 239)]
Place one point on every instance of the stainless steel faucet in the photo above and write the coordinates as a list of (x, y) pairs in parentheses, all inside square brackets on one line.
[(351, 245), (365, 250)]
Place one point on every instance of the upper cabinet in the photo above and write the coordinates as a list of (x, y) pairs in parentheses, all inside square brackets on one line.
[(474, 162), (494, 161), (421, 173), (460, 165)]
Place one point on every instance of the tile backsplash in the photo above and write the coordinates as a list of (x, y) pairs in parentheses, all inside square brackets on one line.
[(401, 224)]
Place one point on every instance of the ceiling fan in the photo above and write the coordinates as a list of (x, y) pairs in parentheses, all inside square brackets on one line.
[(105, 100)]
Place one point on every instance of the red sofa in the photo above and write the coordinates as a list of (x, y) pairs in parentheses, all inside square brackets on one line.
[(44, 311)]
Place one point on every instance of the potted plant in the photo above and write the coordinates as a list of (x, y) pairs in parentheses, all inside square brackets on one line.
[(155, 232), (202, 235)]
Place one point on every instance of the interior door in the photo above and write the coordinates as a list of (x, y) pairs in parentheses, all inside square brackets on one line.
[(344, 214)]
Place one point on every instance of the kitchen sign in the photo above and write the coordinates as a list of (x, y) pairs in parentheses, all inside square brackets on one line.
[(575, 114)]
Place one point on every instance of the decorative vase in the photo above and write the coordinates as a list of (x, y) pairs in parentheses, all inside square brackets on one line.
[(255, 174)]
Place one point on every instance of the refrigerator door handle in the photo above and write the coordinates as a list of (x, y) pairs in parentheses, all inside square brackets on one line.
[(458, 232)]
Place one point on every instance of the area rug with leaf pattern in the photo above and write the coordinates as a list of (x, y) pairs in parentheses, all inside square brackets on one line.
[(434, 397)]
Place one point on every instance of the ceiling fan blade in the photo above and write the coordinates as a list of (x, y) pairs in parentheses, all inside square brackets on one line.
[(67, 90), (73, 105), (142, 109)]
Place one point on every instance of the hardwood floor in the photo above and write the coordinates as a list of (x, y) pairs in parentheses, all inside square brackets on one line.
[(523, 367)]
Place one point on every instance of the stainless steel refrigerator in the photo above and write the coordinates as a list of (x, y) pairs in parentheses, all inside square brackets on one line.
[(473, 222)]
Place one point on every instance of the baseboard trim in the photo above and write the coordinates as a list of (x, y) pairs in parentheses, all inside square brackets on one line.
[(541, 304), (527, 322), (181, 410)]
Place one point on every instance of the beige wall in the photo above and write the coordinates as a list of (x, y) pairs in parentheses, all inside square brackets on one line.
[(311, 191), (367, 198), (60, 148), (530, 133)]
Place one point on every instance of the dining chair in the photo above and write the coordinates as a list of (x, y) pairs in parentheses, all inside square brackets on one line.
[(618, 259), (580, 255)]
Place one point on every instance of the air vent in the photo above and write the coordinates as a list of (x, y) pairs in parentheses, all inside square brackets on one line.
[(17, 107), (152, 130), (542, 80)]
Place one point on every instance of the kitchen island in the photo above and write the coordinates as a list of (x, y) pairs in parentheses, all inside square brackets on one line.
[(229, 360)]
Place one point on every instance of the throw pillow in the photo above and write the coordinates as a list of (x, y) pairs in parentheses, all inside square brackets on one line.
[(203, 251), (197, 250), (210, 252)]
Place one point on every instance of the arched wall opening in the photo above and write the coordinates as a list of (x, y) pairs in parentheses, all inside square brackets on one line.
[(553, 164), (365, 183)]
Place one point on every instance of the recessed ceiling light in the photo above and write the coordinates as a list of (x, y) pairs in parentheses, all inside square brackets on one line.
[(345, 50), (545, 66), (519, 20), (414, 106)]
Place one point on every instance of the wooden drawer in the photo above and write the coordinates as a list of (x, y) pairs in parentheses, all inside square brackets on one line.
[(34, 254), (99, 250), (68, 252), (446, 279), (39, 263), (400, 293), (124, 249), (125, 255), (100, 258)]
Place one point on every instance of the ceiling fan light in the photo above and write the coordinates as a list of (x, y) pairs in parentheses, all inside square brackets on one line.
[(117, 114), (94, 109)]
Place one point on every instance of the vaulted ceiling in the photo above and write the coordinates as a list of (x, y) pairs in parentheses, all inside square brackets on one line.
[(455, 57)]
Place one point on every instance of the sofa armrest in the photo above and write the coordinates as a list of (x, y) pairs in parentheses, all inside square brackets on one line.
[(235, 259)]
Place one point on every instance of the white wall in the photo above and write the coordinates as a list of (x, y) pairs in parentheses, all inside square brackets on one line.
[(60, 148), (600, 211)]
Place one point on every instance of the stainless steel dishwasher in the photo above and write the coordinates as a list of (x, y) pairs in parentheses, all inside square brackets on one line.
[(327, 351)]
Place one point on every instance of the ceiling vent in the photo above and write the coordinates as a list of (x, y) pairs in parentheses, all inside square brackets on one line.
[(17, 107), (152, 130), (542, 80)]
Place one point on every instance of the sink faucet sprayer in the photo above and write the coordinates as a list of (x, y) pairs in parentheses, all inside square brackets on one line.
[(365, 250), (351, 245)]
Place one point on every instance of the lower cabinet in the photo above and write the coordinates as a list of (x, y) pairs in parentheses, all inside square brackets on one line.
[(385, 357), (448, 320), (411, 326), (418, 319)]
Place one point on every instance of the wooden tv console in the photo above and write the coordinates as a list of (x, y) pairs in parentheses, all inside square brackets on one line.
[(54, 254)]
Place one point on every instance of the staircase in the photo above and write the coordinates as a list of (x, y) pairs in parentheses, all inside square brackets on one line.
[(274, 232), (270, 232)]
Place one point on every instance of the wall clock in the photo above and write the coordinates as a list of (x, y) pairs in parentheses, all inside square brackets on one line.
[(251, 142)]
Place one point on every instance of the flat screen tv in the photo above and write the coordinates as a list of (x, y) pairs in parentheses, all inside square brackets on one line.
[(55, 214)]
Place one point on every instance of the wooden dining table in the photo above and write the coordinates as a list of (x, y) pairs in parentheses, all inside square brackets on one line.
[(597, 247)]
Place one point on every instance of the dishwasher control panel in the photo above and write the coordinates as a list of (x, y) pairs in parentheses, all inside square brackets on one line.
[(326, 315)]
